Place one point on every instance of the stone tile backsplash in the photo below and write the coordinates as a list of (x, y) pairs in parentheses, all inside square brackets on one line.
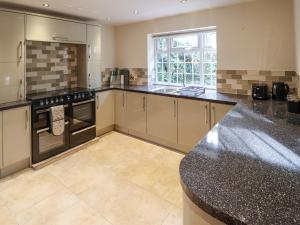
[(138, 76), (51, 66), (240, 81)]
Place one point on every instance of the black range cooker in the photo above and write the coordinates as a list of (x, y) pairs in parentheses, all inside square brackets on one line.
[(79, 109)]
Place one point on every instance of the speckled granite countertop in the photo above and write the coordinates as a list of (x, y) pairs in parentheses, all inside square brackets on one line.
[(11, 105), (210, 95), (247, 169)]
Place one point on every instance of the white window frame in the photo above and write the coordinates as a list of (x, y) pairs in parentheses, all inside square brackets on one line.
[(170, 50)]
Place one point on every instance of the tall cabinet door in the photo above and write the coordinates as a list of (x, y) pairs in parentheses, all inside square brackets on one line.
[(94, 56), (120, 111), (16, 135), (218, 111), (105, 110), (1, 142), (136, 112), (193, 122), (162, 118), (11, 56), (11, 37)]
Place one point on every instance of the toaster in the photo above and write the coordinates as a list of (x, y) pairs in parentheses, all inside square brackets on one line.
[(260, 92)]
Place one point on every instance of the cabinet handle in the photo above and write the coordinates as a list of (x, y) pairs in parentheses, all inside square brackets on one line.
[(27, 119), (175, 109), (89, 51), (206, 114), (123, 100), (21, 47), (20, 89), (213, 115), (144, 103), (98, 102)]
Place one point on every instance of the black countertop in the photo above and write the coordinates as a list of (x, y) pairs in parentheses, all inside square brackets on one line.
[(247, 169), (16, 104)]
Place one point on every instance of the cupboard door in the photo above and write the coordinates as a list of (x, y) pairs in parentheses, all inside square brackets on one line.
[(193, 122), (1, 142), (12, 27), (120, 109), (16, 126), (218, 111), (94, 56), (11, 81), (162, 117), (40, 28), (136, 112), (105, 109)]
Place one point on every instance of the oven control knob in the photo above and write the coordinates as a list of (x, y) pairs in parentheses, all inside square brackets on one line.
[(56, 100), (46, 102), (75, 96), (41, 103), (61, 99), (51, 100)]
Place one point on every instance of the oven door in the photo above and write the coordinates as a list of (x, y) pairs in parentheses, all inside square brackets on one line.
[(82, 115), (44, 143)]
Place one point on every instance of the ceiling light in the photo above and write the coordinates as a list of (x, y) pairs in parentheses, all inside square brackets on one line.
[(46, 5), (135, 12), (183, 1)]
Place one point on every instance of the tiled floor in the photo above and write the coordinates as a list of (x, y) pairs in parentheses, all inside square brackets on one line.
[(118, 180)]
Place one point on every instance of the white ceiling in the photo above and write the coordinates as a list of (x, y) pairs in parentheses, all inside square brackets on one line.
[(118, 12)]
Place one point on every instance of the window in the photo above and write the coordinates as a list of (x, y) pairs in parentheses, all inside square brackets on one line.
[(186, 58)]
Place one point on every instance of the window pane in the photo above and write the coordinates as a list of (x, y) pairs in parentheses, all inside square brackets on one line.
[(162, 44), (174, 57), (174, 78), (209, 40), (197, 69), (207, 68), (207, 80), (180, 67), (159, 67), (188, 41), (196, 57), (188, 68), (214, 68), (159, 77), (189, 78), (213, 80), (180, 78), (181, 57), (173, 68), (165, 57), (197, 79), (165, 68), (188, 58)]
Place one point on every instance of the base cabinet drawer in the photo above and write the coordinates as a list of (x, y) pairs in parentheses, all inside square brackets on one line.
[(40, 28), (16, 135)]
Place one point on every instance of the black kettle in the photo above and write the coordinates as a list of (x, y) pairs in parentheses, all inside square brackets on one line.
[(280, 91)]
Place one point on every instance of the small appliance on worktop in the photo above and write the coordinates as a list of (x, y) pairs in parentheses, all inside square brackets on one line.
[(79, 116), (260, 92), (280, 91)]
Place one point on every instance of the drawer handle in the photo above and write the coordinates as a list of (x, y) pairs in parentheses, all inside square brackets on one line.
[(21, 50), (175, 109), (80, 131)]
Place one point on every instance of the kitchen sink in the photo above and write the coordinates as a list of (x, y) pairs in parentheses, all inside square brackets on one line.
[(166, 90), (187, 91)]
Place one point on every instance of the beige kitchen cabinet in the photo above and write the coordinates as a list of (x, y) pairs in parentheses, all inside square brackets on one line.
[(105, 112), (11, 37), (12, 55), (41, 28), (162, 119), (193, 122), (16, 136), (218, 111), (94, 56), (136, 113), (120, 111), (1, 142)]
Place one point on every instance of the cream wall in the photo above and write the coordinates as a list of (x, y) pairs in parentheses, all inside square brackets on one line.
[(108, 47), (256, 35)]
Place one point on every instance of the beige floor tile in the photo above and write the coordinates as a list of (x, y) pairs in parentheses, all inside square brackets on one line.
[(175, 217), (118, 180)]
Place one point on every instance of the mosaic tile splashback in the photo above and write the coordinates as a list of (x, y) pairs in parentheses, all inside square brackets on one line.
[(51, 66), (240, 81)]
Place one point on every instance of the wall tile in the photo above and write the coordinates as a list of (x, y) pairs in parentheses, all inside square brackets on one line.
[(51, 66)]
